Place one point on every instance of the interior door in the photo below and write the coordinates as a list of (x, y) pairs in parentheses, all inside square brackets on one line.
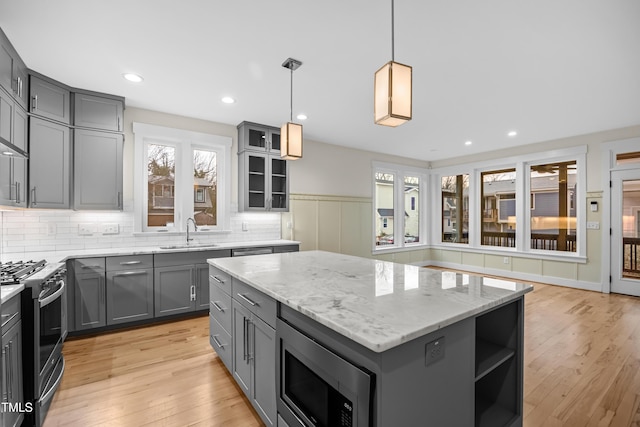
[(625, 232)]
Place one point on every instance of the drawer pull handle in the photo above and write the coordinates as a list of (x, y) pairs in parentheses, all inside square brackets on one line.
[(220, 309), (130, 262), (218, 343), (253, 303), (217, 280)]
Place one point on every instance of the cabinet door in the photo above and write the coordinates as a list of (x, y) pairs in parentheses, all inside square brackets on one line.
[(263, 357), (6, 181), (97, 170), (274, 141), (97, 112), (240, 338), (253, 182), (90, 308), (49, 164), (202, 286), (174, 290), (21, 83), (50, 100), (129, 296), (19, 176), (12, 373), (6, 63), (6, 116), (279, 185)]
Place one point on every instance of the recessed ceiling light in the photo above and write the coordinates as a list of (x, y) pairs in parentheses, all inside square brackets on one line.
[(135, 78), (228, 100), (301, 116), (512, 133), (468, 143)]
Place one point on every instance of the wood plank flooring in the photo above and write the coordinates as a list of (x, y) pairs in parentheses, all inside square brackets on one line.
[(582, 368)]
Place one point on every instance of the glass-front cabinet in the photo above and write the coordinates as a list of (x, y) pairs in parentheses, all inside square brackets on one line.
[(263, 180)]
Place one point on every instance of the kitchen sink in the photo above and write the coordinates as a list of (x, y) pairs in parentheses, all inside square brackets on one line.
[(189, 245)]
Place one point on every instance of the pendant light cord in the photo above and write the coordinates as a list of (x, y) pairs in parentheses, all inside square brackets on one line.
[(392, 34), (291, 105)]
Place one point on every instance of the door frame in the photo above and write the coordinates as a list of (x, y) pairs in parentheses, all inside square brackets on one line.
[(609, 150)]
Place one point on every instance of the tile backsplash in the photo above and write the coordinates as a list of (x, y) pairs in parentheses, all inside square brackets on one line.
[(61, 230)]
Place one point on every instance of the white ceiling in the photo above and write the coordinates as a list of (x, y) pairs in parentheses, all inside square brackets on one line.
[(547, 68)]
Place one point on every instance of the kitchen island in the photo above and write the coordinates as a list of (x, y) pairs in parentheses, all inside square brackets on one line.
[(442, 348)]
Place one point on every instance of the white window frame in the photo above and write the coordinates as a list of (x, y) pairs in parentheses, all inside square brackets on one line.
[(400, 172), (184, 142), (522, 165)]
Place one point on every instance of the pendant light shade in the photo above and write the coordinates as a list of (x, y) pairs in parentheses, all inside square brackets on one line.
[(392, 94), (291, 141), (291, 133), (392, 88)]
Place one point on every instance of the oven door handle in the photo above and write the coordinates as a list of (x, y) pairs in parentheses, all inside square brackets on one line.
[(52, 297), (54, 387)]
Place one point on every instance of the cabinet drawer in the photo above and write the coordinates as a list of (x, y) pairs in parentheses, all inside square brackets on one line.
[(257, 302), (220, 340), (11, 312), (169, 259), (220, 279), (220, 306), (129, 262), (86, 265)]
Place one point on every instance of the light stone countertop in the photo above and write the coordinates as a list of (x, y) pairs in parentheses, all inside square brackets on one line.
[(61, 256), (377, 304), (9, 291)]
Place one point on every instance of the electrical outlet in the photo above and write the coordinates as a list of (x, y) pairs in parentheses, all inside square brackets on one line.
[(593, 225), (110, 229), (505, 260), (87, 229), (434, 351), (245, 226), (51, 229)]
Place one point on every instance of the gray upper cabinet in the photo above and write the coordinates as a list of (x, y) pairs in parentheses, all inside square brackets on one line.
[(263, 182), (260, 138), (97, 112), (13, 72), (49, 164), (97, 170), (50, 100)]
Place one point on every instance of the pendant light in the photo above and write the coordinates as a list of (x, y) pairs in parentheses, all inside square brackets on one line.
[(291, 133), (392, 90)]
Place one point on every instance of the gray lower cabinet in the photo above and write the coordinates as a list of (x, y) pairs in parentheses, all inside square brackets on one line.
[(182, 281), (90, 304), (49, 164), (129, 289), (12, 382), (97, 170), (174, 290), (239, 330)]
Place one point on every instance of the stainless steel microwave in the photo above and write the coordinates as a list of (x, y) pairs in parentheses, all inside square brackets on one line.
[(318, 388)]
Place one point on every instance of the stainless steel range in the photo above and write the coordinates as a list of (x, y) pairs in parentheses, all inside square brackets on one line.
[(43, 329)]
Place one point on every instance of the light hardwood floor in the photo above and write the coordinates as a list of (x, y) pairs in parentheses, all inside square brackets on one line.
[(582, 360)]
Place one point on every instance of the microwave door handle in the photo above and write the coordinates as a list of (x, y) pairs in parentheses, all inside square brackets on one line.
[(52, 297)]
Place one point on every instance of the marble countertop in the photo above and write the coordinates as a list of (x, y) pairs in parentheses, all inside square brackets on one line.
[(61, 256), (375, 303), (9, 291)]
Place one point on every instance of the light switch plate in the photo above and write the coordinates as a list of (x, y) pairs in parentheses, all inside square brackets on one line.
[(87, 229)]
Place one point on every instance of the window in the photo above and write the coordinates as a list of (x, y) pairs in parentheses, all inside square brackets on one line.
[(553, 217), (455, 208), (498, 206), (398, 214), (185, 175)]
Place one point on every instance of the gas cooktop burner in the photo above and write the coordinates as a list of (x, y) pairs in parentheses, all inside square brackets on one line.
[(12, 273)]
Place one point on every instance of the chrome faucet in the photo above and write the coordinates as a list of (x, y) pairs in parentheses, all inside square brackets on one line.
[(195, 228)]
